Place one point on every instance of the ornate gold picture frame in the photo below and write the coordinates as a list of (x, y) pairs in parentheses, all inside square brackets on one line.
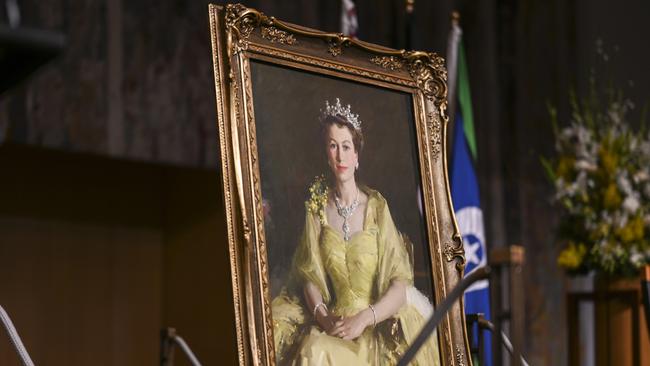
[(272, 81)]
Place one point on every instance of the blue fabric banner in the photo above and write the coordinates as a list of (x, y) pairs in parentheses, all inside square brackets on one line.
[(465, 196)]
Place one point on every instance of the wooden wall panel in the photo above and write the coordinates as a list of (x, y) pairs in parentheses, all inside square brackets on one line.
[(198, 296), (81, 294), (97, 255)]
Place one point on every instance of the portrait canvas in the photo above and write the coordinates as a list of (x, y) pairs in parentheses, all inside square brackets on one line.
[(289, 106), (340, 225)]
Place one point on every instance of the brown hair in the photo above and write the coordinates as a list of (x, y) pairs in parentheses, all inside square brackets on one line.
[(357, 135)]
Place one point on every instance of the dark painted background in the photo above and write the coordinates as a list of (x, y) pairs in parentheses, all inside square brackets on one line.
[(292, 152)]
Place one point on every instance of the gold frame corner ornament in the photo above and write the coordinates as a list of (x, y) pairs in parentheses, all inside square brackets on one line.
[(239, 34)]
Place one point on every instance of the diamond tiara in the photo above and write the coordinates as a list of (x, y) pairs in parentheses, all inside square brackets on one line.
[(338, 110)]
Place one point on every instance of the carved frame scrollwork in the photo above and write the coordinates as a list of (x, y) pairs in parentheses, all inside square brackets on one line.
[(240, 34)]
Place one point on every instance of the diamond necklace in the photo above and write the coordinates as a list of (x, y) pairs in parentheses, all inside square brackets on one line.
[(345, 212)]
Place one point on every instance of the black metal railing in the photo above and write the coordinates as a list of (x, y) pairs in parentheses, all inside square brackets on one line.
[(440, 311), (505, 269), (485, 325), (169, 339), (19, 347)]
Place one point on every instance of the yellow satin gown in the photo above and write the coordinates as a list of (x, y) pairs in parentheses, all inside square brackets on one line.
[(350, 275)]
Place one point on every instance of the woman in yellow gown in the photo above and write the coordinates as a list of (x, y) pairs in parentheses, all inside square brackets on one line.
[(350, 298)]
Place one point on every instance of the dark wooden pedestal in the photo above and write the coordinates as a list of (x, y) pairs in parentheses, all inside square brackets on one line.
[(621, 334)]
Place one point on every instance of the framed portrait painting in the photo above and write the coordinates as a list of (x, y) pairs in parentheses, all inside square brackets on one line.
[(341, 232)]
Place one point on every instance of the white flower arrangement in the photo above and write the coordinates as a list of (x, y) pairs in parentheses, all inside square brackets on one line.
[(601, 176)]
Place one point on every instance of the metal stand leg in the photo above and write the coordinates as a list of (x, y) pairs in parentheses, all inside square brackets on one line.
[(510, 259), (15, 338), (169, 338)]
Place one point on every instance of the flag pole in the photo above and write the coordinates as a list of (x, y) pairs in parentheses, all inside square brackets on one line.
[(455, 34), (410, 5)]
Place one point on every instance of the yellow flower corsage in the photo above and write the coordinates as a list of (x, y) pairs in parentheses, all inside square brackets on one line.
[(318, 194)]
